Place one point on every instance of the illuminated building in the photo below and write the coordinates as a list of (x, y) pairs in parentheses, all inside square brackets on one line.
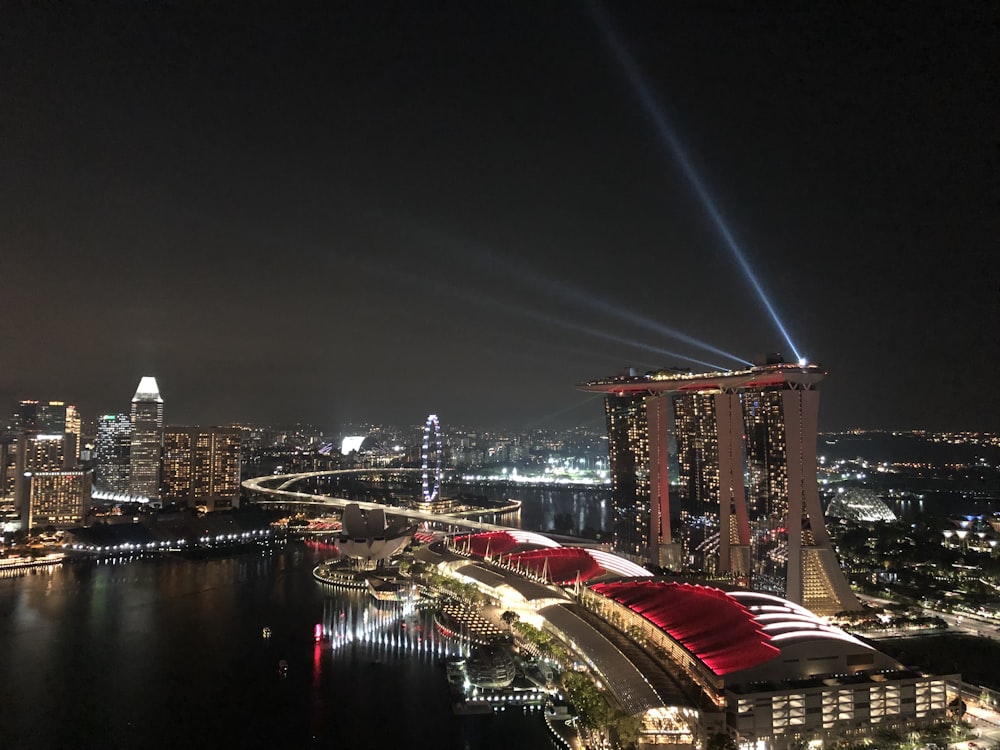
[(57, 498), (704, 660), (113, 459), (637, 443), (8, 466), (147, 440), (43, 455), (779, 538), (860, 505), (201, 466), (73, 426), (48, 418), (368, 537)]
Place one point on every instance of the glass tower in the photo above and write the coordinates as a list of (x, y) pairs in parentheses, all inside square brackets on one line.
[(147, 440)]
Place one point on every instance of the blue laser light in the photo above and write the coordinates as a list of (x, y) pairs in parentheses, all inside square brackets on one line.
[(654, 109)]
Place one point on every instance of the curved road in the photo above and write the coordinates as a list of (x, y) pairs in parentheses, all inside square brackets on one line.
[(281, 494)]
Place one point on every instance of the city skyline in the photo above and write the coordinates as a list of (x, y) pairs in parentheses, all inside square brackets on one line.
[(379, 213)]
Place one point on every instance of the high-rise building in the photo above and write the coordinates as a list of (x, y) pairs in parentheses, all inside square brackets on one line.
[(776, 542), (57, 498), (147, 440), (8, 466), (48, 418), (39, 454), (201, 466), (73, 425), (113, 452), (637, 443)]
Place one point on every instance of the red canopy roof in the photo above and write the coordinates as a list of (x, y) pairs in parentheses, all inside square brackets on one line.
[(493, 542), (564, 563), (708, 622)]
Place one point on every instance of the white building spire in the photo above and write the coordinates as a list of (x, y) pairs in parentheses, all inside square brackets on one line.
[(148, 390)]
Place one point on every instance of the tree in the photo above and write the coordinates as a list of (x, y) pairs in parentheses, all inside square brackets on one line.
[(510, 617), (627, 728), (593, 709)]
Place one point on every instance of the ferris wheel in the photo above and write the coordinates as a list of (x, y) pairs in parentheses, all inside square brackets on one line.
[(431, 457)]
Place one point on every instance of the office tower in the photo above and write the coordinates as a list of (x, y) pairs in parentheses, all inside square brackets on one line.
[(147, 440), (779, 539), (113, 452), (26, 415), (10, 517), (201, 466), (72, 425), (48, 418), (8, 466)]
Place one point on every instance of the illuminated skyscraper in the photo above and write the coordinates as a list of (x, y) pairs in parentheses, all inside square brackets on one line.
[(57, 498), (628, 445), (147, 440), (113, 452), (698, 477), (779, 541), (73, 426), (637, 443), (45, 456), (201, 466)]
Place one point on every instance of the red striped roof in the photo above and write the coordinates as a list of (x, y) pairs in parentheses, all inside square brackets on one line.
[(709, 623), (565, 564), (492, 542)]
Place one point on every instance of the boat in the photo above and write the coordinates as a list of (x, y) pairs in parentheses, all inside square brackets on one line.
[(283, 668), (266, 632)]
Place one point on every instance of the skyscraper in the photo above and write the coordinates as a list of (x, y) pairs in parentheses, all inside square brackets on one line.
[(779, 539), (147, 440), (57, 498), (201, 466), (113, 452), (40, 460), (73, 426), (637, 443)]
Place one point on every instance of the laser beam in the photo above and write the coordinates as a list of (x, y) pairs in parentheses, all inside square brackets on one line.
[(655, 110), (492, 261), (432, 285)]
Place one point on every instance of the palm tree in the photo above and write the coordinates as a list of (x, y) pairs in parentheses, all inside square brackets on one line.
[(510, 617)]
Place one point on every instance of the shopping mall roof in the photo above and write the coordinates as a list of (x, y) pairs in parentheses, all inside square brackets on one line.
[(712, 625), (545, 557)]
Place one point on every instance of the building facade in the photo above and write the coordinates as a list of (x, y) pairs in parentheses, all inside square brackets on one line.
[(45, 455), (57, 498), (201, 467), (147, 440), (760, 423), (113, 452)]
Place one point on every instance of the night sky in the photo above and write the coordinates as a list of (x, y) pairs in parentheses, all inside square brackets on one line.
[(369, 211)]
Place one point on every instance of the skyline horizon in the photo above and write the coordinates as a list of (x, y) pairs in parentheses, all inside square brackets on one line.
[(331, 215), (596, 424)]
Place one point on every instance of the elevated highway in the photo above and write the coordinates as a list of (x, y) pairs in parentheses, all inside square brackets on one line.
[(280, 493)]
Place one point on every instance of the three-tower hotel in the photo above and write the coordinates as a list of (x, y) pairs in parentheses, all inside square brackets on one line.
[(747, 506)]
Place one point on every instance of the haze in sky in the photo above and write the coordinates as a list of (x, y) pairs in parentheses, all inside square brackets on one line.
[(375, 211)]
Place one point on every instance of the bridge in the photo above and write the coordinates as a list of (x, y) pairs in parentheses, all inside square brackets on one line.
[(282, 494)]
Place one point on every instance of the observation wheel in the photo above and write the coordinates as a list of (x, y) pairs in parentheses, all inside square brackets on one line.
[(431, 457)]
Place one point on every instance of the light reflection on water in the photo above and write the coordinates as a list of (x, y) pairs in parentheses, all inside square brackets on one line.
[(169, 653)]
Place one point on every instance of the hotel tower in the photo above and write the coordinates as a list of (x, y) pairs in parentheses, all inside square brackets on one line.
[(747, 494)]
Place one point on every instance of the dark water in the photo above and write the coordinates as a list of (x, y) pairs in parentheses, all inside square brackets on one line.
[(574, 511), (169, 653)]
